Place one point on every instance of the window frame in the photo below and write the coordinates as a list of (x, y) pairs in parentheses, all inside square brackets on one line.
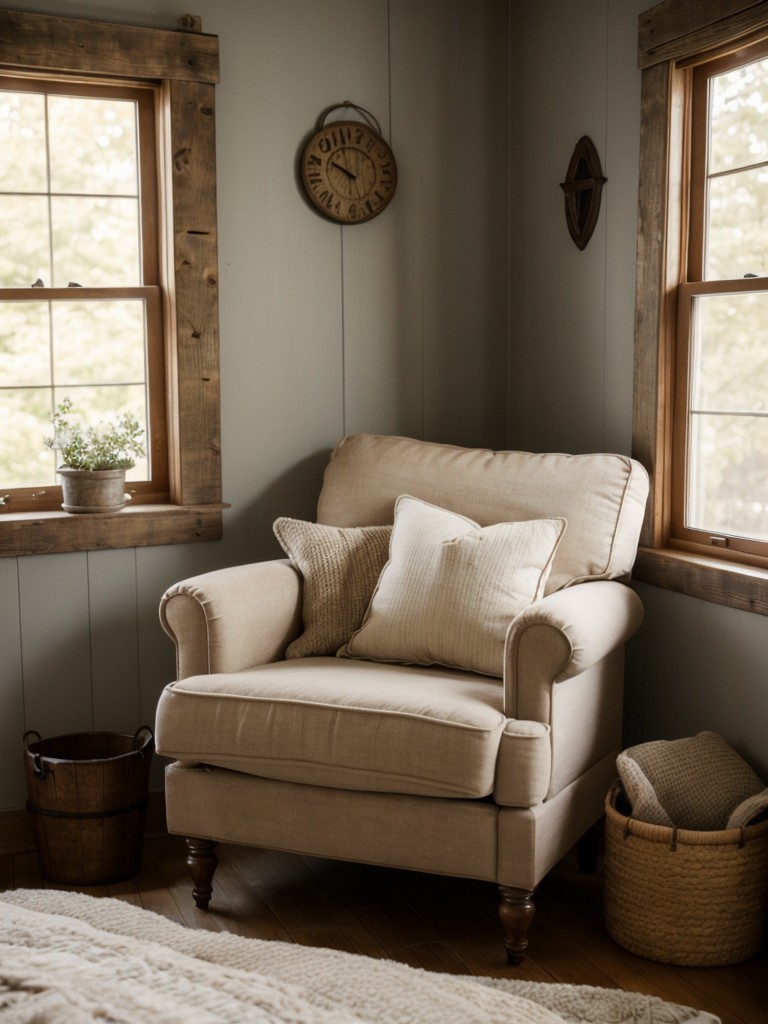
[(183, 66), (45, 496), (673, 36)]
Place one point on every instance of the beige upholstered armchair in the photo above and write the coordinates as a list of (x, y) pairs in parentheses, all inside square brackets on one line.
[(470, 722)]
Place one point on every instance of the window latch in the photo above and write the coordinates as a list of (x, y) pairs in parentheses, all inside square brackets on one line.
[(719, 542)]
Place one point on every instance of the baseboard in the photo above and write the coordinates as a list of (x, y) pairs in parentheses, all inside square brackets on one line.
[(16, 830)]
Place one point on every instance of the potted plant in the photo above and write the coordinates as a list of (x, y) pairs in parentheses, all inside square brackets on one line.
[(94, 459)]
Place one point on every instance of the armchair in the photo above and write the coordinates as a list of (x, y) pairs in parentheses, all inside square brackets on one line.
[(383, 756)]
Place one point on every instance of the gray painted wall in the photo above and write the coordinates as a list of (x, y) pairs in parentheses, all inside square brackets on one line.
[(694, 665), (457, 315), (395, 326)]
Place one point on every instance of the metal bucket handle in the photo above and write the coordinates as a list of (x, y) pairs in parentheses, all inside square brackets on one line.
[(36, 758), (149, 739)]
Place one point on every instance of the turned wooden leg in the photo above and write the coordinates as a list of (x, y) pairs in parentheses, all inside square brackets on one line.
[(588, 848), (516, 911), (202, 861)]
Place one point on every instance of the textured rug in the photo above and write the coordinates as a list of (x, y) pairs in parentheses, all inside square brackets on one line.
[(68, 958)]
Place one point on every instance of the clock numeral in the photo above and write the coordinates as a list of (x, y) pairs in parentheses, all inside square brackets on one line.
[(329, 201)]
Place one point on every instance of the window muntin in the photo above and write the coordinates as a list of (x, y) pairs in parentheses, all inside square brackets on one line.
[(720, 440), (80, 303)]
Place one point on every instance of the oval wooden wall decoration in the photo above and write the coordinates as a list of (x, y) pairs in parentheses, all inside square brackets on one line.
[(583, 186)]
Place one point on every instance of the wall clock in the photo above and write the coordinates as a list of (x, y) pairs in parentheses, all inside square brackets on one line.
[(348, 170)]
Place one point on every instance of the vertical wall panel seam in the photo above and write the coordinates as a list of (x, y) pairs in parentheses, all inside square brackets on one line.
[(389, 68), (343, 336), (422, 327), (508, 361), (90, 635), (21, 648), (606, 204), (137, 637)]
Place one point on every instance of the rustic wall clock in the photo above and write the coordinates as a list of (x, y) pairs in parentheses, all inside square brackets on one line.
[(348, 170)]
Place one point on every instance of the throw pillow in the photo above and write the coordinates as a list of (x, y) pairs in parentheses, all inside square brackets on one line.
[(340, 567), (451, 588), (698, 783)]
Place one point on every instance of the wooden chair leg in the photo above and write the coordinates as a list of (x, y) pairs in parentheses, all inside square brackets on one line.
[(202, 861), (516, 911)]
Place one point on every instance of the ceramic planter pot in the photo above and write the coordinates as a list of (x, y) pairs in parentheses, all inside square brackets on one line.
[(93, 490)]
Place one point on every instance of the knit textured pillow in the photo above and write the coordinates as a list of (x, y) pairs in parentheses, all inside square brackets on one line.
[(340, 567), (451, 588), (698, 783)]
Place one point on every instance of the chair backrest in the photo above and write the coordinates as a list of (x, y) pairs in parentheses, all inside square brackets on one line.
[(602, 497)]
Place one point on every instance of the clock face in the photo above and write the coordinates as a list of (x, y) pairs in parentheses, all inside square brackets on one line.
[(349, 172)]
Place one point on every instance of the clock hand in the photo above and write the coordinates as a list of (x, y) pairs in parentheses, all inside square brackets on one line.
[(345, 170)]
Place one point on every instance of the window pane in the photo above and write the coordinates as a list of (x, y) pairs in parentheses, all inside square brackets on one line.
[(102, 342), (730, 353), (93, 146), (728, 476), (95, 242), (738, 110), (23, 164), (727, 471), (25, 254), (25, 422), (737, 233), (25, 349)]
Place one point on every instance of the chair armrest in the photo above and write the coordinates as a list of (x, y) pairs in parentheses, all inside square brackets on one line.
[(233, 619), (561, 636)]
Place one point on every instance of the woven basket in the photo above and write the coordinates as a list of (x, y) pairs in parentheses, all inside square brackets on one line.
[(684, 897)]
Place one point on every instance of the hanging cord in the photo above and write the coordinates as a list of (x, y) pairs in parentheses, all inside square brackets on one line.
[(347, 104)]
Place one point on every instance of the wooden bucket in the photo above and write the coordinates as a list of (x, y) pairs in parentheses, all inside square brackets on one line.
[(88, 797)]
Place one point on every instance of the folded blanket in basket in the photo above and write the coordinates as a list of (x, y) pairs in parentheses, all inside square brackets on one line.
[(697, 783)]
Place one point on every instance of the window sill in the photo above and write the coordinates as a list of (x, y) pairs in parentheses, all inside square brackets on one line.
[(710, 579), (27, 533)]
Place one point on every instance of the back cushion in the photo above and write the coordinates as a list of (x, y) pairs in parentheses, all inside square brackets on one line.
[(602, 497)]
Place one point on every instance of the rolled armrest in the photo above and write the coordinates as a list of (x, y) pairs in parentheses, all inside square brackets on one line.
[(561, 636), (232, 619)]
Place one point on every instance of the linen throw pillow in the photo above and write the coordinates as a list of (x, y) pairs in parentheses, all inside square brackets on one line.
[(340, 567), (451, 588)]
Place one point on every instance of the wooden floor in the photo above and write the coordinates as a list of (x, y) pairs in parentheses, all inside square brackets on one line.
[(436, 923)]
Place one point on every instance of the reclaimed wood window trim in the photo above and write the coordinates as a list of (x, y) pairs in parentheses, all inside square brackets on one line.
[(672, 37), (184, 65)]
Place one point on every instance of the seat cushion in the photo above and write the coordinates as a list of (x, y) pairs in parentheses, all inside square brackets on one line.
[(343, 724), (601, 496)]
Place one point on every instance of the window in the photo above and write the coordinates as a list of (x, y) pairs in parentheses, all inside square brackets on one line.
[(80, 302), (150, 314), (701, 356), (720, 431)]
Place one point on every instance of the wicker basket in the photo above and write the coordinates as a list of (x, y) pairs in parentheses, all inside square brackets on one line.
[(680, 896)]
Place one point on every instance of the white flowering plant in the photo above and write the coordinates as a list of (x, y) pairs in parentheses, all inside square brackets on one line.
[(114, 444)]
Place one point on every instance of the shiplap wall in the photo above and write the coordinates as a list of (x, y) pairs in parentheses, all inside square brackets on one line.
[(693, 665), (395, 326), (412, 324)]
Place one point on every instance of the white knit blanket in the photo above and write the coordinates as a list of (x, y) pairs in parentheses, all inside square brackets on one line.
[(67, 958)]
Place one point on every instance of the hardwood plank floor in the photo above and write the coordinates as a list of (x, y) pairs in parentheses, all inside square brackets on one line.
[(440, 924)]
